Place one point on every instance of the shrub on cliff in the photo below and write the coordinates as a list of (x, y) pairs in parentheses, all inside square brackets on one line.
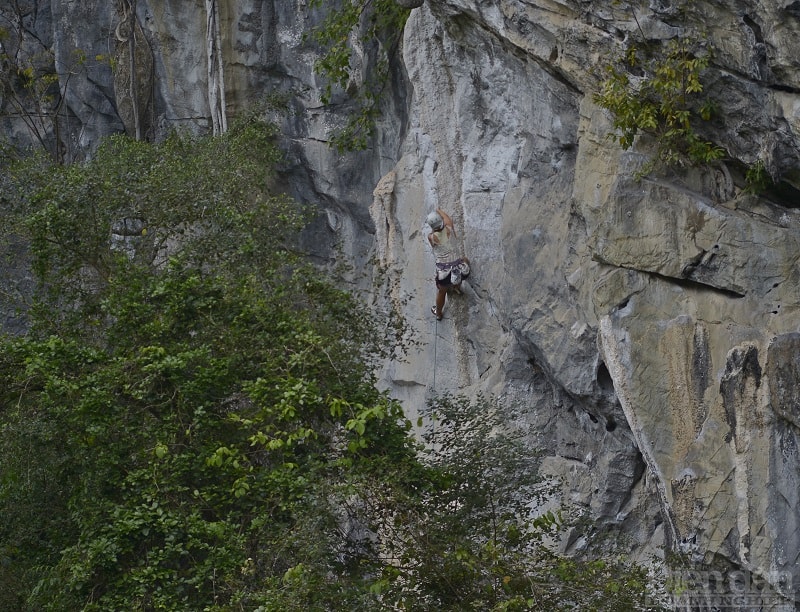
[(349, 30), (659, 92)]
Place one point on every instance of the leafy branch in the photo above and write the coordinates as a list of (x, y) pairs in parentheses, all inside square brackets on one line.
[(373, 24), (32, 88), (661, 95)]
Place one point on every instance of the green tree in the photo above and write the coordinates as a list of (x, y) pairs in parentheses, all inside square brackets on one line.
[(189, 396), (191, 422), (659, 92)]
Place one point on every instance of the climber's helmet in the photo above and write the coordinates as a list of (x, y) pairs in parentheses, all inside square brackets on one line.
[(435, 221)]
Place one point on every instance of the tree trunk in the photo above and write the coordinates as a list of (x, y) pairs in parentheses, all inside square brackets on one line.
[(216, 77)]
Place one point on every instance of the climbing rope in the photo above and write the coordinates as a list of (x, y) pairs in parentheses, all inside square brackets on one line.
[(435, 342), (435, 337)]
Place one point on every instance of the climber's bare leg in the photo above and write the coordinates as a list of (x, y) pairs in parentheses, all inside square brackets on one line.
[(441, 294)]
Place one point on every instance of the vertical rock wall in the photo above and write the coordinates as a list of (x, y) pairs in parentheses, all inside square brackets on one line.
[(495, 139), (647, 325)]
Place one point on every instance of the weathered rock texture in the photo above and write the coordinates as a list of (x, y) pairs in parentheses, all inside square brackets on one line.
[(649, 328)]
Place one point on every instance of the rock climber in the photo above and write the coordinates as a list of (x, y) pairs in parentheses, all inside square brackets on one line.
[(450, 269)]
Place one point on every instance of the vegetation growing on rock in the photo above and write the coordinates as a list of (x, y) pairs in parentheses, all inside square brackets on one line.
[(660, 93), (373, 27)]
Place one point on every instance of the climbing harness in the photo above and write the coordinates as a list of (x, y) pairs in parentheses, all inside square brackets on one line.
[(455, 271)]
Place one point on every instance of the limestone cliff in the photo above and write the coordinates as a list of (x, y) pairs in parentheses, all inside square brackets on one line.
[(649, 327)]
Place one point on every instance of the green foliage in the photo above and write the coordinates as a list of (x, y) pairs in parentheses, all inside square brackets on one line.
[(184, 400), (757, 178), (185, 199), (377, 25), (660, 94), (478, 528)]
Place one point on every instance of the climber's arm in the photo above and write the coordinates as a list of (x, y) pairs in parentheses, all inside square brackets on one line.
[(448, 222)]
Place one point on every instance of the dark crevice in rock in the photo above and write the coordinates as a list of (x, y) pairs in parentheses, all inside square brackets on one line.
[(640, 468), (793, 9), (754, 27), (695, 284), (741, 370), (781, 193), (688, 283), (700, 374), (604, 380), (609, 395), (744, 77), (784, 87)]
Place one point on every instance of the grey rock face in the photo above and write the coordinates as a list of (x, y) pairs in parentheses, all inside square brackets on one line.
[(648, 327)]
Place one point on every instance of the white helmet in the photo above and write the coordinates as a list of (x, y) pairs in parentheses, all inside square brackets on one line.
[(435, 221)]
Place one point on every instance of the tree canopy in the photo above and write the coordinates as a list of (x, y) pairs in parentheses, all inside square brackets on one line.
[(186, 388)]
